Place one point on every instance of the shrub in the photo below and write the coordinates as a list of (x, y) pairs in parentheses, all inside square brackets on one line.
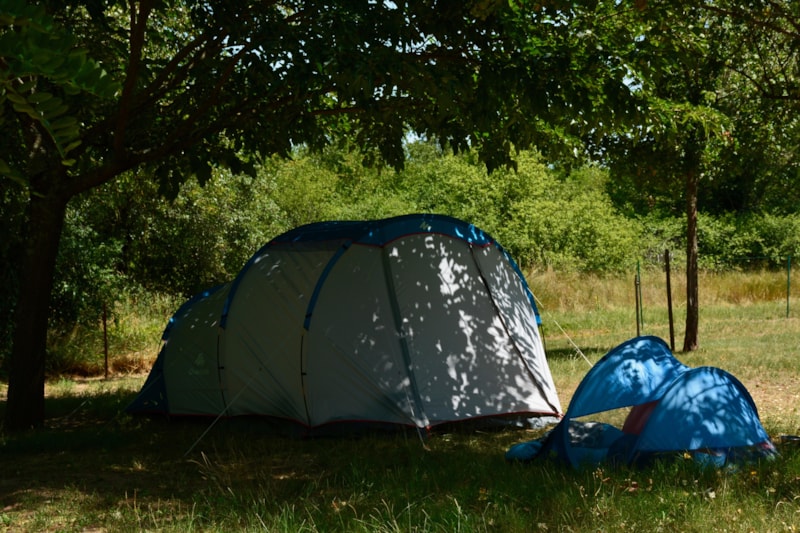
[(124, 238), (750, 241)]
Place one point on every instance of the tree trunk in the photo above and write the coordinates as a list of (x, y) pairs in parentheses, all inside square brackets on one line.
[(692, 304), (25, 405)]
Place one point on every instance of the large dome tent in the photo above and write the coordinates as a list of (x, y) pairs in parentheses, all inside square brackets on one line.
[(417, 321)]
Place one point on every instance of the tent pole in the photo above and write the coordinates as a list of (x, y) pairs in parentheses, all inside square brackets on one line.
[(641, 300), (416, 406)]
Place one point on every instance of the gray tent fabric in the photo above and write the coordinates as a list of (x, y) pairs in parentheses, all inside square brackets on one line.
[(418, 320)]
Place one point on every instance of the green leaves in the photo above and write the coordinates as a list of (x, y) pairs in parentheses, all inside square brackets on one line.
[(41, 67), (48, 110)]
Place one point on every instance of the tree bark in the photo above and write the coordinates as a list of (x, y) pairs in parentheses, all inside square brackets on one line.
[(690, 342), (25, 405)]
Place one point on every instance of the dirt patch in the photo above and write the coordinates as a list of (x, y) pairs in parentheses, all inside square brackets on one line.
[(777, 401)]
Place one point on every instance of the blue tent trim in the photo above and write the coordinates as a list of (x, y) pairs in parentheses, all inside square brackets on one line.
[(188, 304), (703, 411), (384, 231), (154, 399), (380, 233), (313, 300), (361, 321)]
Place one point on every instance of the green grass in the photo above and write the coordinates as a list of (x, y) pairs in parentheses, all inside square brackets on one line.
[(93, 468)]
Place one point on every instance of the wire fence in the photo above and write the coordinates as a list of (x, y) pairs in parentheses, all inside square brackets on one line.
[(746, 263)]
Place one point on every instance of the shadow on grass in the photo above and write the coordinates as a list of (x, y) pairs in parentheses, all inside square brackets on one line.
[(91, 447), (569, 352), (92, 462)]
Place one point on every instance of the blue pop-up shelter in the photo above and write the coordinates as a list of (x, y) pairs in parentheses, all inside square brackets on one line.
[(703, 411)]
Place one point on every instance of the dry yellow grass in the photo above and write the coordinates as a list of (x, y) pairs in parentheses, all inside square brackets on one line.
[(743, 329)]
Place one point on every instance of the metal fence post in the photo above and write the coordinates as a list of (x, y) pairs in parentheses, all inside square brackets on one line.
[(788, 282), (669, 302)]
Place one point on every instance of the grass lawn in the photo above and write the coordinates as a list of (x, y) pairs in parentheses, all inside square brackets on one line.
[(93, 468)]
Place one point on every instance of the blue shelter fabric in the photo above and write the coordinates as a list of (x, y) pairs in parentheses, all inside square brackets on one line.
[(703, 411), (706, 408), (633, 373)]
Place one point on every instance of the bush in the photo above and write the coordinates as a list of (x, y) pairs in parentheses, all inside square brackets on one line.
[(569, 224), (663, 234), (124, 239), (751, 241), (726, 242)]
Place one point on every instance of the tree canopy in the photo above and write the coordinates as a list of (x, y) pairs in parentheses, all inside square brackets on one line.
[(94, 89), (672, 94)]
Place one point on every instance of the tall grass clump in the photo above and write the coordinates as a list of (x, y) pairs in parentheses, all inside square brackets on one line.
[(134, 323)]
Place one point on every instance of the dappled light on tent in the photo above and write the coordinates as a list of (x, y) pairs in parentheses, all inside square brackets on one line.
[(711, 410), (417, 320), (190, 338), (635, 372), (703, 411)]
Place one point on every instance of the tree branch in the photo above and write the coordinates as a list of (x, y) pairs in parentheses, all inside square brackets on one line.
[(138, 22)]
